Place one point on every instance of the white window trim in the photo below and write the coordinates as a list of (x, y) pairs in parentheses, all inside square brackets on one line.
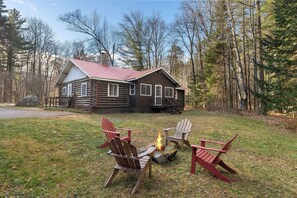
[(81, 89), (64, 91), (109, 88), (69, 90), (133, 89), (146, 85), (172, 92)]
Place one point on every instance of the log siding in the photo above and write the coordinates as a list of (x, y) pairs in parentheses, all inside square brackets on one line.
[(79, 101), (103, 100)]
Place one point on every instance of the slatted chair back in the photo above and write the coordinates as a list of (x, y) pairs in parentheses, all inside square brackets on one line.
[(124, 153), (226, 147), (183, 126), (107, 125)]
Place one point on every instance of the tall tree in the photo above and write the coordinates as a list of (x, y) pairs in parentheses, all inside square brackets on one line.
[(14, 48), (280, 60), (3, 34), (132, 34), (240, 77), (96, 28), (156, 34)]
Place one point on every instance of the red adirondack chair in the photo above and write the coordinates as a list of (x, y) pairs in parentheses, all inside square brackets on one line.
[(111, 132), (210, 161)]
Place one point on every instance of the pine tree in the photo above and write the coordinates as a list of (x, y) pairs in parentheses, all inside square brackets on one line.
[(280, 60), (3, 34), (14, 48)]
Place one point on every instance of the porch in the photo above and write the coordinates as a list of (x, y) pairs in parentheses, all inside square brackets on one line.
[(59, 102), (168, 105)]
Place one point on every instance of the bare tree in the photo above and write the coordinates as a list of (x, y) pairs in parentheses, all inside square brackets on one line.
[(156, 36), (184, 28), (96, 28), (240, 77), (40, 39)]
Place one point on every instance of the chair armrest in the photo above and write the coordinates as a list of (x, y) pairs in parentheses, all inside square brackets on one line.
[(186, 131), (126, 129), (168, 129), (149, 151), (113, 132), (209, 149), (124, 156), (211, 141)]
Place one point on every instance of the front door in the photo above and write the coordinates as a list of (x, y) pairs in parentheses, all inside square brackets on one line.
[(158, 95)]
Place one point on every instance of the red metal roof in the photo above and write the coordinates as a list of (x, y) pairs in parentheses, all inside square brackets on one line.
[(95, 70)]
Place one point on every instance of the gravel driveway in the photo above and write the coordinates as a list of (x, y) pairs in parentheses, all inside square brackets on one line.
[(13, 112)]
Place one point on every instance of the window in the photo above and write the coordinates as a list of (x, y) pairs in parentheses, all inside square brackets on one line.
[(169, 92), (69, 89), (145, 89), (132, 89), (84, 89), (64, 91), (113, 90)]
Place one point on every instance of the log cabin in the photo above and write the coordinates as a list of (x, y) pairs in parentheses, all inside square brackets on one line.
[(108, 89)]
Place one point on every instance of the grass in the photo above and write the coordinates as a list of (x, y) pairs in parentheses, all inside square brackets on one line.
[(53, 157)]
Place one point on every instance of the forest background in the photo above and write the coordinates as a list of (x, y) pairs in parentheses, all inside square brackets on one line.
[(231, 55)]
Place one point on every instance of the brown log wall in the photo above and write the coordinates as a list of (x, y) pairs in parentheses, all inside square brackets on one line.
[(79, 101), (103, 100)]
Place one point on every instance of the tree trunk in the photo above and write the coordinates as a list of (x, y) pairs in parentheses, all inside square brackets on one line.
[(242, 89)]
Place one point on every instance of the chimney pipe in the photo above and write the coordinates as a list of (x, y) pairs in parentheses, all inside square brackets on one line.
[(104, 59)]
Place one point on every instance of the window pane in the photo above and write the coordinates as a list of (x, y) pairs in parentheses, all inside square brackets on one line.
[(145, 90), (115, 90), (169, 91), (84, 89)]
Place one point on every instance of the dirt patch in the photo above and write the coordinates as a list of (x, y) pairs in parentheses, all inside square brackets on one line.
[(276, 120)]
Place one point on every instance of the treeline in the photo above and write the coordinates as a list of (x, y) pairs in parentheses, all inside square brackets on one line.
[(230, 54)]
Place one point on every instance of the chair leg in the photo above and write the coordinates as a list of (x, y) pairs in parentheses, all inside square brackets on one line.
[(225, 166), (150, 166), (166, 143), (103, 145), (139, 180), (112, 176), (217, 173), (187, 143), (193, 164)]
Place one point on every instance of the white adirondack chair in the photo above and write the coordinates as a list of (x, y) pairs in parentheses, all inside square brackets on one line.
[(182, 131)]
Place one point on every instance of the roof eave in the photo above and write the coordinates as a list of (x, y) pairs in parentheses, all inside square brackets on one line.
[(111, 80), (60, 78)]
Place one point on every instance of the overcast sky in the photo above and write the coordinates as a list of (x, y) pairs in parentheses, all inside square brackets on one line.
[(112, 10)]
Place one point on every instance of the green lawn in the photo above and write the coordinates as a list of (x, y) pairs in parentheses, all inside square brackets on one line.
[(52, 157)]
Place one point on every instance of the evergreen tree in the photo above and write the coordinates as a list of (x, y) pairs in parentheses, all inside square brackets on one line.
[(280, 60), (132, 33), (15, 40), (14, 48), (3, 34)]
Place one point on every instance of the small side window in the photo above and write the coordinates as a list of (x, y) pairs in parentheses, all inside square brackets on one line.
[(132, 89), (64, 91), (69, 93), (169, 92), (84, 88)]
